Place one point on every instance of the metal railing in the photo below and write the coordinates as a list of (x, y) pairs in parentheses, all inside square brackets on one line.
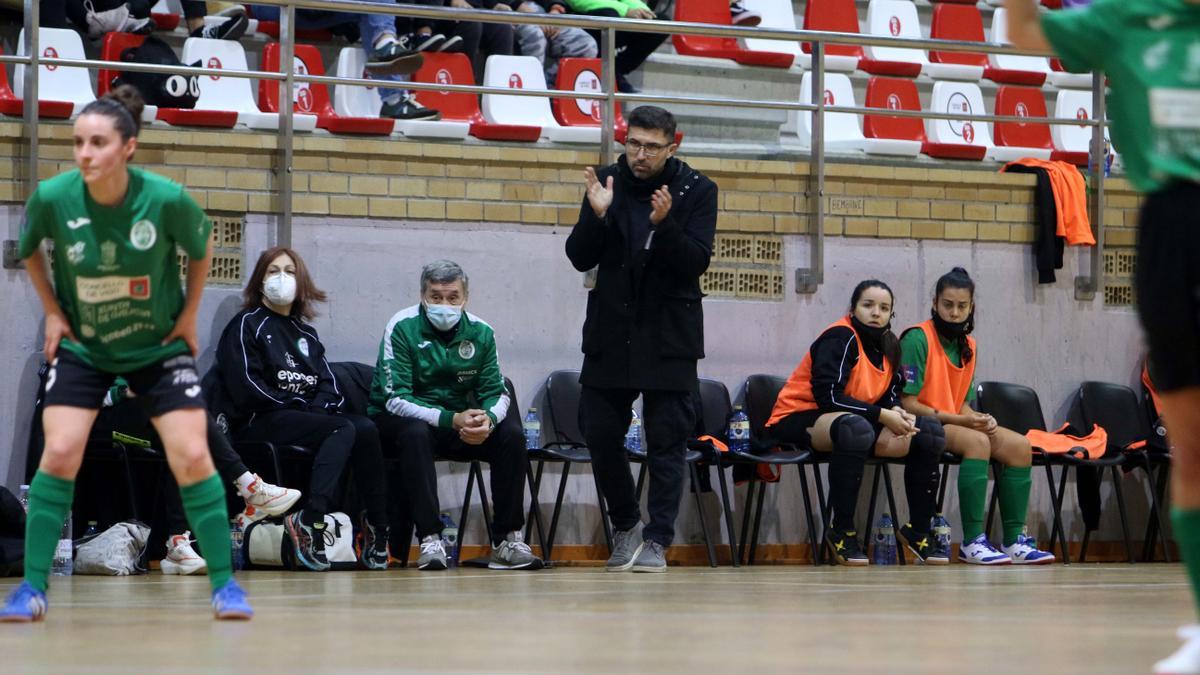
[(808, 279)]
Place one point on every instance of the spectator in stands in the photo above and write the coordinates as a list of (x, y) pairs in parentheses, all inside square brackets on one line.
[(937, 359), (548, 44), (388, 57), (438, 392), (479, 40), (844, 399), (232, 27), (97, 17), (647, 222), (632, 48), (117, 308), (277, 387)]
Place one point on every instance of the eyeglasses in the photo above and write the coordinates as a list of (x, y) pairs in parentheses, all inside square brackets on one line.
[(651, 150)]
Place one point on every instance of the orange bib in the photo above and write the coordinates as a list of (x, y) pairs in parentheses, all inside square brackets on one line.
[(946, 385), (1149, 385), (866, 382), (1093, 446)]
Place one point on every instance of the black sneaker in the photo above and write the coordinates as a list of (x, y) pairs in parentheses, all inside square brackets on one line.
[(407, 108), (923, 545), (739, 15), (845, 547), (394, 58), (375, 546), (452, 45), (308, 541), (422, 42), (230, 29), (624, 86)]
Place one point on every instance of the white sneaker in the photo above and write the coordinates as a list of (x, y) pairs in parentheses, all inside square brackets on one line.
[(1024, 551), (269, 500), (979, 551), (433, 554), (1186, 659), (181, 557)]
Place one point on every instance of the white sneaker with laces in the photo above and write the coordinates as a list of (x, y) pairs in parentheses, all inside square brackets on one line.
[(513, 554), (979, 551), (181, 557), (1024, 551), (269, 500), (433, 554), (1186, 659)]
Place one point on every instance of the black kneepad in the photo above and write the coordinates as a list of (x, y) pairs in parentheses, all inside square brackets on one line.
[(931, 437), (852, 433)]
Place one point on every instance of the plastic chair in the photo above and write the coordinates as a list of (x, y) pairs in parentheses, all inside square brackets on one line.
[(111, 48), (10, 104), (440, 68), (964, 23), (1013, 63), (233, 94), (1071, 104), (716, 12), (1015, 140), (581, 75), (1061, 78), (886, 135), (525, 72), (364, 102), (57, 83), (841, 129), (957, 139), (841, 16), (894, 18), (780, 14), (167, 14), (313, 99)]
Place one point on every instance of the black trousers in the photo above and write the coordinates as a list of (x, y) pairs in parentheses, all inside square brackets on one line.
[(669, 418), (632, 48), (337, 440), (229, 466), (415, 445)]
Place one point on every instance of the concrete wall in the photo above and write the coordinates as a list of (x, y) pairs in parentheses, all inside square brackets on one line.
[(523, 285)]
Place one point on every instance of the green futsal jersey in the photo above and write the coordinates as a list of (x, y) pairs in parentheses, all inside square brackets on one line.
[(1150, 50), (116, 274)]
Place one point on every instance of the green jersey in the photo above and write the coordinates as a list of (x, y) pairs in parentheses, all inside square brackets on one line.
[(116, 273), (424, 375), (914, 349), (1150, 50)]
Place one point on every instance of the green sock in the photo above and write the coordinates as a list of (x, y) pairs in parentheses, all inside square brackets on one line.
[(204, 503), (49, 504), (1186, 523), (1013, 483), (972, 493)]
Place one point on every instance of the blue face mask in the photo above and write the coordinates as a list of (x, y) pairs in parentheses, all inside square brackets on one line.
[(443, 317)]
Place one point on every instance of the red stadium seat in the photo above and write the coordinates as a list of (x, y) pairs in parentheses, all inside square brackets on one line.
[(841, 16), (580, 75), (1015, 140), (964, 23), (717, 12), (313, 99), (893, 94), (110, 50), (441, 68), (11, 105), (165, 16)]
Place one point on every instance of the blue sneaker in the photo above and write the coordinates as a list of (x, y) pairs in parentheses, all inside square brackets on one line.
[(230, 604), (979, 551), (25, 604), (1024, 551)]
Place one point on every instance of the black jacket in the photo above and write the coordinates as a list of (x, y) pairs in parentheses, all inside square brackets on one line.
[(834, 355), (269, 362), (645, 325)]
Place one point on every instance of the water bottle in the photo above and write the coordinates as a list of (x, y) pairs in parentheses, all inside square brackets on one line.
[(64, 553), (235, 544), (450, 539), (884, 552), (633, 437), (24, 497), (941, 531), (739, 431), (533, 430), (92, 530)]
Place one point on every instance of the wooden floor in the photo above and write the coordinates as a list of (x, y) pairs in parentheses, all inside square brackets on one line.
[(1108, 618)]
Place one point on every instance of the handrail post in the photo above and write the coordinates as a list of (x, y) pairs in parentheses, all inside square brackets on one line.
[(810, 278), (608, 117), (1086, 287), (285, 151), (33, 51)]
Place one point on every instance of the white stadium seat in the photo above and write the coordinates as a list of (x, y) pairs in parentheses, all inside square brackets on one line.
[(842, 132), (233, 93), (57, 83), (958, 97), (525, 72)]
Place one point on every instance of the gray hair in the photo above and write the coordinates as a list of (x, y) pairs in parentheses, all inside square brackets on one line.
[(442, 272)]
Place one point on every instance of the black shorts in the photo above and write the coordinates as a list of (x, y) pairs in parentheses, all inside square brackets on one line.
[(1168, 284), (162, 387), (794, 428)]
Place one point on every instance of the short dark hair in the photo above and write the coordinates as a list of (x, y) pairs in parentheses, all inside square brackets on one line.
[(653, 117)]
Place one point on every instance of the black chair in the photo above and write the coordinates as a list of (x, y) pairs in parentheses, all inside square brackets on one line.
[(565, 445), (758, 396), (1017, 407), (1159, 455), (1116, 408), (715, 409)]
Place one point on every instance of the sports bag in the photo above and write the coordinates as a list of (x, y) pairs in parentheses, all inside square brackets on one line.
[(116, 551), (266, 544)]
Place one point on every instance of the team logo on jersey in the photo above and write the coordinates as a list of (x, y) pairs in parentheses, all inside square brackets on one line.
[(108, 256), (78, 223), (87, 330), (466, 349), (139, 288), (423, 344), (910, 373), (193, 392), (291, 362), (143, 235), (75, 252), (302, 345)]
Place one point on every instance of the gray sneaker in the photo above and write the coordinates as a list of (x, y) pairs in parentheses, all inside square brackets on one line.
[(653, 558), (627, 544), (513, 554), (433, 554)]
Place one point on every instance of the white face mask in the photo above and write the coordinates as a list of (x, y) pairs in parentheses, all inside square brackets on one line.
[(280, 289), (443, 317)]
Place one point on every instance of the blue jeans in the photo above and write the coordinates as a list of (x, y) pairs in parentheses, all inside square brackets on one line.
[(370, 26)]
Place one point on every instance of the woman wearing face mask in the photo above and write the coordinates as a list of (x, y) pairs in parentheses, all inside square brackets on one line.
[(843, 399), (279, 385), (938, 361)]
